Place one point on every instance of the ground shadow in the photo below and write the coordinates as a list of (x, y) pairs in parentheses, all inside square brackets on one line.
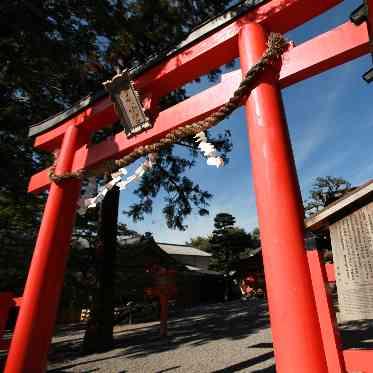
[(64, 330), (357, 334), (246, 364), (271, 369), (65, 371), (262, 345), (197, 326), (168, 369)]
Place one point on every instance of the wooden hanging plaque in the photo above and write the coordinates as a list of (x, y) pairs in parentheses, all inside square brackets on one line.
[(127, 103)]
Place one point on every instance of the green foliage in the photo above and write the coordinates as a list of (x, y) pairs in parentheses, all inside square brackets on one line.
[(223, 221), (55, 52), (201, 243), (228, 238), (324, 191), (255, 236), (19, 215), (181, 193), (228, 242)]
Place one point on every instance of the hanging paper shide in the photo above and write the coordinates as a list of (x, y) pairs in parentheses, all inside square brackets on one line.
[(208, 150), (91, 198)]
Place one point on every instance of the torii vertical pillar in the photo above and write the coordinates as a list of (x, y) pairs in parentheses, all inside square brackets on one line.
[(30, 343), (295, 327)]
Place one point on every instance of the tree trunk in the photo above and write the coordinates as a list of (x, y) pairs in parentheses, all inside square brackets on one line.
[(99, 333)]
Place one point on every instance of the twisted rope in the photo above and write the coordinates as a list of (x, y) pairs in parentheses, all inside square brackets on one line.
[(276, 45)]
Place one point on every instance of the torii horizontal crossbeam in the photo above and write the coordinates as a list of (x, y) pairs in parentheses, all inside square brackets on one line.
[(326, 51), (193, 61)]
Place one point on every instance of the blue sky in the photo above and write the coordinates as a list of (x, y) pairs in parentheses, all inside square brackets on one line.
[(330, 119)]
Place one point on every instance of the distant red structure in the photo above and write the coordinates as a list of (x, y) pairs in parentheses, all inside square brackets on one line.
[(299, 341), (163, 289), (250, 284)]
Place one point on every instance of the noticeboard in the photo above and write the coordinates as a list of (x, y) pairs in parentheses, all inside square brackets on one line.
[(352, 246)]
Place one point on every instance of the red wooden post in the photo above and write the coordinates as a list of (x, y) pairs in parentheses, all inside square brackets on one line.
[(326, 314), (34, 328), (295, 327)]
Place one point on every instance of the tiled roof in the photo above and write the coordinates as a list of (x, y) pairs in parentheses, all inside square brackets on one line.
[(203, 271), (173, 249)]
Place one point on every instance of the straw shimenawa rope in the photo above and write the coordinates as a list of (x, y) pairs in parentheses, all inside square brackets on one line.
[(276, 46)]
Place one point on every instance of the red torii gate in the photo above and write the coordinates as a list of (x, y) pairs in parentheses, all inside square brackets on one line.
[(295, 326)]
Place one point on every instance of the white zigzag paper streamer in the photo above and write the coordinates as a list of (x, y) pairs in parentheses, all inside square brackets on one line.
[(208, 150), (89, 201)]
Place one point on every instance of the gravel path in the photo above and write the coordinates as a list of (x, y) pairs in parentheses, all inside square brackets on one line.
[(229, 337), (218, 338)]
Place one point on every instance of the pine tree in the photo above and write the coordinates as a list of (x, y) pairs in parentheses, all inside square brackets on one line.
[(227, 242), (324, 191), (54, 53)]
